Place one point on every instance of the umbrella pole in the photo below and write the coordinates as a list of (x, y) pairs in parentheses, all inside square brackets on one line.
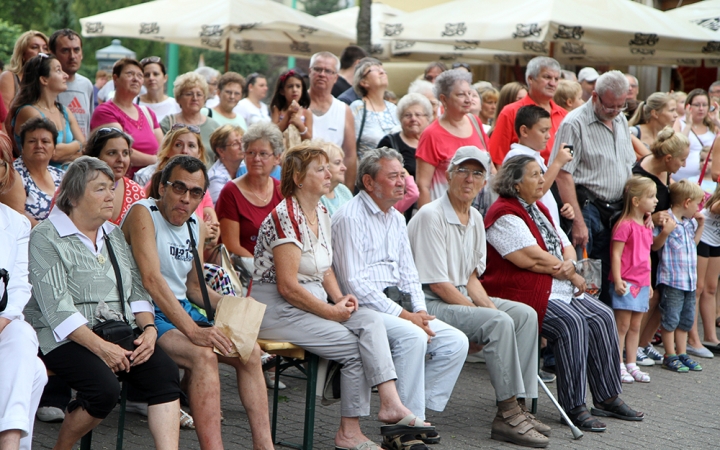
[(227, 54)]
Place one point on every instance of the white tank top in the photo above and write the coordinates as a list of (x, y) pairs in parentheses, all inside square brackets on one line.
[(711, 232), (173, 246), (331, 125)]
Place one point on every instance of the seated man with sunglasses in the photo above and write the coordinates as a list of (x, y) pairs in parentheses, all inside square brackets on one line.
[(158, 231)]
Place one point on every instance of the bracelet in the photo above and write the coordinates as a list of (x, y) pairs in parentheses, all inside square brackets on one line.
[(150, 325), (306, 128)]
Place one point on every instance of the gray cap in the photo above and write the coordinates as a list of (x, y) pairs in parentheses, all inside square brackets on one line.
[(588, 74), (471, 152)]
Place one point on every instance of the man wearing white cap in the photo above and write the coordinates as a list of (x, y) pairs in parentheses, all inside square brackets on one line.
[(447, 237), (587, 77)]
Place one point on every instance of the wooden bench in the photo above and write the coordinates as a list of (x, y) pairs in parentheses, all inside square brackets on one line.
[(294, 357)]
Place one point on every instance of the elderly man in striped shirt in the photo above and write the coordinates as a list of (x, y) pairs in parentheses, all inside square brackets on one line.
[(374, 262)]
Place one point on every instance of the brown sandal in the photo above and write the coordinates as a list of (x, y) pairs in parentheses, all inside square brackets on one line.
[(403, 442), (513, 426)]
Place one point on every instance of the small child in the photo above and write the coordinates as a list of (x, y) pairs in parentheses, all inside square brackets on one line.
[(532, 125), (289, 106), (630, 289), (676, 240)]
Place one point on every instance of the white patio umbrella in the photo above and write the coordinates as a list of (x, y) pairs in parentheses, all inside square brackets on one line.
[(705, 14), (403, 50), (608, 31), (237, 26)]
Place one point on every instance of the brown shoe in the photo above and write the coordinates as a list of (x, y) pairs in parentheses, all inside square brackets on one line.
[(512, 426), (539, 426)]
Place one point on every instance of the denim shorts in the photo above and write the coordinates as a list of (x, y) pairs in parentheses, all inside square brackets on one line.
[(164, 325), (677, 308), (636, 298)]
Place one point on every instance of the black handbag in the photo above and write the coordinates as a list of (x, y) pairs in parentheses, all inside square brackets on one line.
[(5, 277), (116, 331)]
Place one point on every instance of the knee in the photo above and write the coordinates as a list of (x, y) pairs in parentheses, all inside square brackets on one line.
[(100, 400), (414, 339)]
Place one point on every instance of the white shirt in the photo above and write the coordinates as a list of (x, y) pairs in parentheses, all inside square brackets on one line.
[(548, 199), (251, 113), (372, 252)]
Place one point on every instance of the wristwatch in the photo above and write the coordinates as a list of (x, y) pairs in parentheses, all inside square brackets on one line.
[(575, 264)]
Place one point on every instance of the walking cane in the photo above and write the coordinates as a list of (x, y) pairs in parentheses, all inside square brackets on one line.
[(577, 434)]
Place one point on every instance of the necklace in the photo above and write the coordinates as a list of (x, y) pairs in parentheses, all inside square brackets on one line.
[(46, 108), (306, 216), (264, 200)]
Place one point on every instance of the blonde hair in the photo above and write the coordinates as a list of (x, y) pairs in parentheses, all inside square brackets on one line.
[(683, 190), (188, 81), (163, 155), (566, 90), (330, 148), (636, 186), (16, 60), (656, 102), (669, 142)]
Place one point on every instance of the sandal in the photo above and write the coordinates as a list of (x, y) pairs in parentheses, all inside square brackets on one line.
[(640, 376), (690, 363), (625, 377), (431, 437), (186, 421), (367, 445), (403, 427), (403, 442), (617, 409), (673, 363), (582, 419)]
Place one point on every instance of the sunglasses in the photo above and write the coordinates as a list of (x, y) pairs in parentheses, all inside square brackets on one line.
[(108, 130), (192, 128), (150, 60), (180, 188)]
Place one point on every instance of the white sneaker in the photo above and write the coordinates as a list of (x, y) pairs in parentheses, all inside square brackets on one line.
[(270, 381), (701, 352), (136, 407), (50, 414), (475, 357), (642, 359)]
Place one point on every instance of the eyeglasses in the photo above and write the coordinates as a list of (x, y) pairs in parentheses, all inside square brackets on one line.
[(320, 70), (150, 60), (180, 188), (378, 70), (192, 128), (459, 65), (236, 144), (415, 115), (465, 173), (611, 110), (699, 105), (262, 155), (193, 95)]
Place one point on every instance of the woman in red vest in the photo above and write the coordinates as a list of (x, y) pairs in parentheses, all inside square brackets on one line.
[(531, 260)]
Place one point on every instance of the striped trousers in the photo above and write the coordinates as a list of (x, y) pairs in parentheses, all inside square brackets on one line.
[(585, 342)]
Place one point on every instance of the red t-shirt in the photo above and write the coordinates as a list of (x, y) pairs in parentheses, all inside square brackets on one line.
[(503, 135), (437, 146), (233, 205)]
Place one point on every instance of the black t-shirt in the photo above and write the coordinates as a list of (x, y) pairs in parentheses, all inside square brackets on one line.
[(407, 152), (340, 86), (663, 191)]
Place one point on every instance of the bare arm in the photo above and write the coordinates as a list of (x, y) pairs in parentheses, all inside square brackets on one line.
[(281, 123), (308, 134), (230, 233), (715, 162), (639, 147), (65, 153), (7, 88), (116, 357), (423, 178), (348, 146), (566, 186)]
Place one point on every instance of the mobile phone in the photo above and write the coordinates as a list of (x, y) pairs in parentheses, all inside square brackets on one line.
[(712, 109), (570, 149)]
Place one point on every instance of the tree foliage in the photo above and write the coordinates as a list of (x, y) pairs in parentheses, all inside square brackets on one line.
[(8, 35)]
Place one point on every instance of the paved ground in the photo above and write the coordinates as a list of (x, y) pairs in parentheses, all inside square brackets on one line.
[(681, 412)]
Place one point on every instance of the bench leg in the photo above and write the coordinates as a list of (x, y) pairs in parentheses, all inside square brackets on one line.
[(86, 441), (121, 419), (276, 393), (309, 428)]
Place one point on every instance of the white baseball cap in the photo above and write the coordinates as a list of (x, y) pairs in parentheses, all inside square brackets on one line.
[(469, 152), (588, 74)]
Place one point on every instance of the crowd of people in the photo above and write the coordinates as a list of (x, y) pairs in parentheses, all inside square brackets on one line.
[(397, 237)]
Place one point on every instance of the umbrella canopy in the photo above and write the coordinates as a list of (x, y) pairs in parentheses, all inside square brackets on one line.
[(404, 50), (608, 31), (238, 26), (705, 14)]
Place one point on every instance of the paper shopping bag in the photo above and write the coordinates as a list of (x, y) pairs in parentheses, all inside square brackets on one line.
[(239, 319)]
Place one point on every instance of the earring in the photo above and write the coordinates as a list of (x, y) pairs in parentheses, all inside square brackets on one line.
[(300, 185)]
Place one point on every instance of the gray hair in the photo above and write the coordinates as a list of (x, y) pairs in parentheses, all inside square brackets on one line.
[(208, 72), (511, 174), (482, 86), (265, 131), (412, 100), (539, 63), (327, 55), (81, 172), (614, 82), (360, 70), (370, 163), (445, 82), (423, 87)]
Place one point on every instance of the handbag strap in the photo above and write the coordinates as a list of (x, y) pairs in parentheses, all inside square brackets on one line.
[(362, 127), (201, 277), (476, 125), (707, 160), (118, 277)]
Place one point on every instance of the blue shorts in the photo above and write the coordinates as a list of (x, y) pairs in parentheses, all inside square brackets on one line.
[(677, 308), (637, 300), (164, 325)]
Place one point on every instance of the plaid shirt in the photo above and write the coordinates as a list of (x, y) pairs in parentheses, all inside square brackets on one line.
[(678, 257)]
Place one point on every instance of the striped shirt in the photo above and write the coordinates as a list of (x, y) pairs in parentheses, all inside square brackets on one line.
[(603, 157), (678, 257), (371, 252)]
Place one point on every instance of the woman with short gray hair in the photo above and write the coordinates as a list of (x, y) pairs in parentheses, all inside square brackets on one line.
[(374, 116), (84, 275), (414, 113), (455, 128)]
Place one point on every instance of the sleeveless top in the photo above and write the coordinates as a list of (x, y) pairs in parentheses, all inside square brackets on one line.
[(173, 247), (331, 125), (65, 135)]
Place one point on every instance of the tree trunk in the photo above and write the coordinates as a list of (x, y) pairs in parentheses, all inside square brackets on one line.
[(364, 28)]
